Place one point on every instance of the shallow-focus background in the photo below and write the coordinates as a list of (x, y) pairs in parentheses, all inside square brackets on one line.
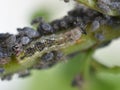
[(18, 13)]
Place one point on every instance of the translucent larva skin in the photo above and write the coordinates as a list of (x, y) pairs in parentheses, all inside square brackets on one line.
[(49, 43)]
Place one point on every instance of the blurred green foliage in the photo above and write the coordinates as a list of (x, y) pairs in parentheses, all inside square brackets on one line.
[(57, 78), (43, 12), (60, 77)]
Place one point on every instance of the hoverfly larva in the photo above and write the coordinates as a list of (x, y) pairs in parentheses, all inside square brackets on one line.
[(50, 43)]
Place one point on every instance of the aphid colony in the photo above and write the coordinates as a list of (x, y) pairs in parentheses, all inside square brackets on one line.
[(78, 17), (13, 44), (51, 42), (108, 5), (43, 43), (49, 59)]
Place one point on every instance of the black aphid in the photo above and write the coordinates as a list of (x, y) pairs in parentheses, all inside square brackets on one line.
[(4, 36), (49, 59), (99, 36), (63, 24), (1, 52), (25, 40), (10, 40), (27, 31), (69, 20), (55, 25), (37, 20), (48, 56), (95, 25), (59, 55), (45, 28), (1, 70)]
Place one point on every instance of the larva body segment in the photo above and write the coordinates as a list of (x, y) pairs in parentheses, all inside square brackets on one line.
[(49, 43)]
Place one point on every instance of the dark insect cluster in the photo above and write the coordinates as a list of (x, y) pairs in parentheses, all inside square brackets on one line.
[(78, 17), (108, 5), (49, 59), (2, 70), (74, 18)]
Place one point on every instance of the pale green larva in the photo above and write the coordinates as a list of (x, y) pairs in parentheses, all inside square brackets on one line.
[(49, 43)]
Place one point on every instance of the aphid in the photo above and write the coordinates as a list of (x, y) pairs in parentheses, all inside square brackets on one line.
[(45, 28), (58, 55), (4, 53), (104, 5), (25, 40), (10, 41), (6, 40), (115, 5), (55, 25), (48, 56), (99, 36), (95, 25), (63, 24), (26, 31), (3, 36), (75, 12), (69, 20), (1, 52), (37, 20), (1, 70), (49, 59)]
